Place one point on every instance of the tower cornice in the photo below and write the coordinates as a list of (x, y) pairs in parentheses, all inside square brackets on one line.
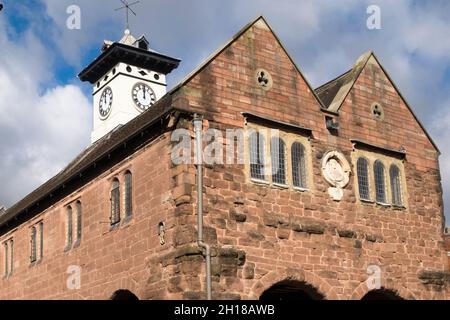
[(118, 52)]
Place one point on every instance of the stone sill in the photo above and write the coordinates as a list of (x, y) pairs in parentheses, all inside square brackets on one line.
[(387, 205), (127, 220), (258, 181), (35, 263), (278, 185), (301, 189), (77, 244), (114, 226), (68, 248), (368, 201), (382, 204), (281, 186), (9, 276)]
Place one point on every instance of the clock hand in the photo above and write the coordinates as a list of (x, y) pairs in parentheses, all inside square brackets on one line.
[(144, 93)]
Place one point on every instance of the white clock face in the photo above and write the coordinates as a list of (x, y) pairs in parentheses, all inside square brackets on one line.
[(105, 103), (144, 97)]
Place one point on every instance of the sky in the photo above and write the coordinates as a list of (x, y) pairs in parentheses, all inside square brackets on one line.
[(46, 112)]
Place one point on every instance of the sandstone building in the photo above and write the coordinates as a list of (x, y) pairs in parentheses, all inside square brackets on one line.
[(353, 210)]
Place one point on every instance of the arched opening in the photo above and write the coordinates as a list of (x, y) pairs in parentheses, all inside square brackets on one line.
[(124, 295), (381, 294), (290, 290)]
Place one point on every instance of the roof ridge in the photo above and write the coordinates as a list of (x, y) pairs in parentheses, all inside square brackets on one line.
[(344, 89), (320, 88)]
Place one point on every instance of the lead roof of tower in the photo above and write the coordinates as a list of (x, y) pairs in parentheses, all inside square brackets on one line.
[(131, 51)]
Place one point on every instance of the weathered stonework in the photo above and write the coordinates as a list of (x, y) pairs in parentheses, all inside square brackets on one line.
[(260, 234)]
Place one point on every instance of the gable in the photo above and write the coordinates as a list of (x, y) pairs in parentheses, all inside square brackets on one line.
[(226, 84), (374, 60), (399, 128)]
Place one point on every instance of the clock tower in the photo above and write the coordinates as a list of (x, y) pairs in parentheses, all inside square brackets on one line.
[(128, 78)]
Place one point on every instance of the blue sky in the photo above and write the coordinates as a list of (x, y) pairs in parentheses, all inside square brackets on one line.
[(41, 58)]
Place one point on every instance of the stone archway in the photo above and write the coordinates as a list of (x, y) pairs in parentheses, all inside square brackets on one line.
[(388, 290), (381, 294), (291, 290), (124, 295), (293, 275)]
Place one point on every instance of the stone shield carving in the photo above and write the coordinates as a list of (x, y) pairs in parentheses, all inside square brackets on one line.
[(336, 171)]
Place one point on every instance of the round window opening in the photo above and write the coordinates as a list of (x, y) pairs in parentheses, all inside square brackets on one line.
[(377, 111), (264, 79)]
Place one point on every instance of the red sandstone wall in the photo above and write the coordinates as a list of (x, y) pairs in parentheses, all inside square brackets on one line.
[(260, 235), (340, 239), (110, 260)]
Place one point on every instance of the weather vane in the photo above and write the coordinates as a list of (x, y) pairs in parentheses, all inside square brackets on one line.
[(127, 7)]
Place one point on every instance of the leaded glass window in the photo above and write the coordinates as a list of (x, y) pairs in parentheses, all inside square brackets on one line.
[(79, 221), (257, 150), (380, 181), (69, 227), (33, 245), (278, 157), (128, 199), (396, 188), (115, 202), (298, 165), (362, 167)]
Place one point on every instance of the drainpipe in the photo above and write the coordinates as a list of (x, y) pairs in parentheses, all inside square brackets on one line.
[(198, 128)]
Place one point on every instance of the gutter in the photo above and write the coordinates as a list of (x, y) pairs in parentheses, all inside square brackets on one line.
[(198, 128)]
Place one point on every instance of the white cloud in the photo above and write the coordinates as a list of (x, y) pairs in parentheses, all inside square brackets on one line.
[(41, 132)]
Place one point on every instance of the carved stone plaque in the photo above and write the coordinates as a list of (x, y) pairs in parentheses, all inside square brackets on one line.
[(336, 171)]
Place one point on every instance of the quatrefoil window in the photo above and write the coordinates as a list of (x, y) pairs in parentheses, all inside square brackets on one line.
[(264, 79), (377, 111)]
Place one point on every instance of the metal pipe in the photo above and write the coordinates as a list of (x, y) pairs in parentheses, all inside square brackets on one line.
[(198, 128)]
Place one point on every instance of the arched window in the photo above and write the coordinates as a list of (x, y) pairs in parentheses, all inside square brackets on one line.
[(394, 173), (128, 198), (6, 259), (362, 168), (257, 150), (115, 202), (79, 221), (33, 245), (298, 165), (9, 257), (278, 157), (69, 227), (41, 240), (380, 181), (11, 260)]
